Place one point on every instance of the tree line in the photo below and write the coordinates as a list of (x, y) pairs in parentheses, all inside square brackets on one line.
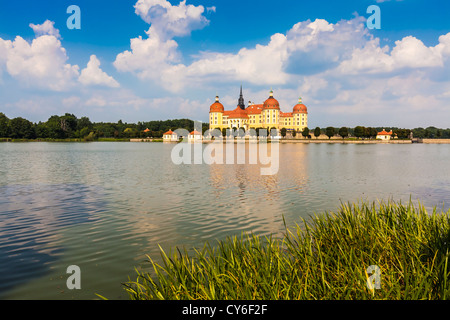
[(371, 132), (69, 126)]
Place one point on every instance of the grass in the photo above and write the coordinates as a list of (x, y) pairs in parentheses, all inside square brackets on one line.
[(325, 257)]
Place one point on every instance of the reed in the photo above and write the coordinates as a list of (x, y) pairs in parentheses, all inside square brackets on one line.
[(324, 257)]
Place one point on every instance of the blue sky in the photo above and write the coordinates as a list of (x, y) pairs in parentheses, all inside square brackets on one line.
[(146, 60)]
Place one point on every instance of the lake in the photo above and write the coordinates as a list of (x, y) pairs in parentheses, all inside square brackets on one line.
[(104, 206)]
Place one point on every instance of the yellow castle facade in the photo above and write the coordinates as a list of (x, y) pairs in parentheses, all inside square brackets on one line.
[(267, 115)]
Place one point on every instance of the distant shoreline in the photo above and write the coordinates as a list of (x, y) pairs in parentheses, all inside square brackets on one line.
[(368, 141), (341, 141)]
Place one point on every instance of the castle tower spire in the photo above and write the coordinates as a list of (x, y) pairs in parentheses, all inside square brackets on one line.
[(241, 103)]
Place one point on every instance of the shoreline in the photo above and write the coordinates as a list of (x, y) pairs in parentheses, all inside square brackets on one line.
[(341, 141)]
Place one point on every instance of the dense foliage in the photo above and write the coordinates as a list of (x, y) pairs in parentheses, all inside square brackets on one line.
[(69, 126), (327, 257), (362, 132)]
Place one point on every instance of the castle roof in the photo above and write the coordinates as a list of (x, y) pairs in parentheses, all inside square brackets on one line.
[(254, 109), (238, 113), (300, 107), (216, 106), (271, 102), (384, 132), (286, 114)]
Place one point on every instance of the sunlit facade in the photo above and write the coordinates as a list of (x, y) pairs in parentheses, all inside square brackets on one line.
[(267, 115)]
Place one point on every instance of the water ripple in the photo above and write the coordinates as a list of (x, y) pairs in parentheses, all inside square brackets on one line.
[(104, 206)]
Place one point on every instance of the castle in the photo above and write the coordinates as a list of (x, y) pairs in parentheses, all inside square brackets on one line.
[(267, 115)]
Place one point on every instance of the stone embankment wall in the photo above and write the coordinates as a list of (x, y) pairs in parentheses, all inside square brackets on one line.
[(141, 140), (435, 140), (345, 141)]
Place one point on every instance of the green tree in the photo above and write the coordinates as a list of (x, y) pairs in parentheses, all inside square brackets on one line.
[(402, 133), (373, 132), (317, 132), (131, 132), (21, 129), (370, 132), (419, 132), (84, 122), (85, 132), (224, 132), (259, 131), (90, 137), (431, 132), (53, 125), (41, 130), (446, 133), (71, 122), (234, 132), (329, 131), (294, 133), (4, 126), (157, 134), (343, 132), (305, 132), (283, 132), (359, 131)]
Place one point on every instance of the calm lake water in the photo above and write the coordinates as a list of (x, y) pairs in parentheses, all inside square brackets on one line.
[(105, 206)]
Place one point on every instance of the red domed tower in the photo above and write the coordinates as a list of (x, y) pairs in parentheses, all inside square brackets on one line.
[(271, 102), (300, 115), (300, 107), (270, 112), (216, 114), (216, 106)]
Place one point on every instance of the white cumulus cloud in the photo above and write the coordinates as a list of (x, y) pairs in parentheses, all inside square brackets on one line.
[(408, 53), (41, 63), (157, 57), (169, 20), (309, 47), (93, 75), (48, 27)]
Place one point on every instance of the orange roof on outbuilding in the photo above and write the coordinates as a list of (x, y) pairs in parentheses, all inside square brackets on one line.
[(384, 132)]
